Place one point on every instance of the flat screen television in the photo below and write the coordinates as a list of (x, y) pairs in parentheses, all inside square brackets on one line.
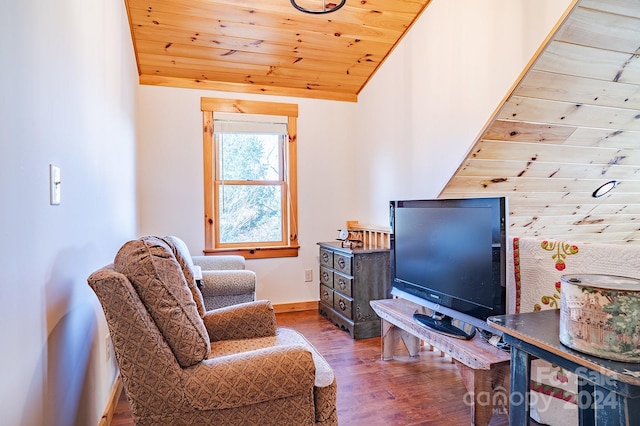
[(449, 255)]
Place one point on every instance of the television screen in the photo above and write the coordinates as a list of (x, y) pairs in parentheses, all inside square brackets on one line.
[(451, 252)]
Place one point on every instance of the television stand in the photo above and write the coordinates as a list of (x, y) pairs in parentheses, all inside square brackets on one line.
[(483, 367), (444, 326)]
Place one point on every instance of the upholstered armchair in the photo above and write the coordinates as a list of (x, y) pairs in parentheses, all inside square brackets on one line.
[(182, 365), (224, 282)]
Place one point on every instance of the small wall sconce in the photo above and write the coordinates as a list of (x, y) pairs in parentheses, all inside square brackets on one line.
[(605, 188), (327, 7)]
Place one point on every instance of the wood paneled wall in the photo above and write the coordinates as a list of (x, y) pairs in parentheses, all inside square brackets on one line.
[(570, 124)]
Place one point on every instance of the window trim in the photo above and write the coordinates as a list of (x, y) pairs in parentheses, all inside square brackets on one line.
[(208, 107)]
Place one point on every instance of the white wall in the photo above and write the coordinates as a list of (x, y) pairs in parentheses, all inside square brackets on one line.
[(170, 182), (67, 91), (421, 113)]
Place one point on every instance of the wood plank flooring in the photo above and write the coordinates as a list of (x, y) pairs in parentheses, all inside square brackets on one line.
[(406, 391)]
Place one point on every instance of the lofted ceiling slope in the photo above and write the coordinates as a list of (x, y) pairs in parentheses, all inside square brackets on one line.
[(570, 124), (267, 46)]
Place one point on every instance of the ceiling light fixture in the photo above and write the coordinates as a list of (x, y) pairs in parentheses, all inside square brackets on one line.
[(327, 7), (605, 188)]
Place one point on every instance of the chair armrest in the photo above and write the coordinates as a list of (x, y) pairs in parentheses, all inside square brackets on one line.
[(250, 377), (219, 263), (225, 283), (242, 321)]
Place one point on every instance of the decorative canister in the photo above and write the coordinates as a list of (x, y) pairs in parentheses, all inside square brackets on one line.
[(600, 315)]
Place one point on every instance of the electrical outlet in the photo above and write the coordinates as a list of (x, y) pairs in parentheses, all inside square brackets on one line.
[(107, 346), (308, 275)]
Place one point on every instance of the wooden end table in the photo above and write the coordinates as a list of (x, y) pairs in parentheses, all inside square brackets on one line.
[(608, 391)]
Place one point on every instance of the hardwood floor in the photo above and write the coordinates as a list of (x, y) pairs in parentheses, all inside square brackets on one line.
[(406, 391)]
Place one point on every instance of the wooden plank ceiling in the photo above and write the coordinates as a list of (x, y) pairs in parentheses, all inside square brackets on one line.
[(571, 123), (267, 46)]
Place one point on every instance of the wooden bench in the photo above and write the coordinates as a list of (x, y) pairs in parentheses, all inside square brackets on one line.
[(483, 367)]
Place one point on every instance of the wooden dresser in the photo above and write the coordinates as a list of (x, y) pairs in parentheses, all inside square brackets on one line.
[(349, 280)]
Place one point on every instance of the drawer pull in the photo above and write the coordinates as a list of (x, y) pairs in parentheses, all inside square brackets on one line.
[(343, 305), (325, 257), (341, 263), (342, 284), (325, 276)]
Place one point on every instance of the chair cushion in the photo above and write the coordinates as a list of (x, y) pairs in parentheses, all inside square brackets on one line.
[(152, 269), (181, 252), (325, 386)]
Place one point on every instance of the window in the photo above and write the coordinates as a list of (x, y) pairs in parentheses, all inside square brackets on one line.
[(250, 187)]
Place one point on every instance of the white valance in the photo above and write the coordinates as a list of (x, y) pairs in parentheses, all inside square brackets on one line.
[(224, 122)]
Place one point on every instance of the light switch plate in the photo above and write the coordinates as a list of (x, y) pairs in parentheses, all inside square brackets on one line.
[(54, 185)]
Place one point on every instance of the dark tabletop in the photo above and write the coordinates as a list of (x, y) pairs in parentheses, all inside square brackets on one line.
[(542, 329)]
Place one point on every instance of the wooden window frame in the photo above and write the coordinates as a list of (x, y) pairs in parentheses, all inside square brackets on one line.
[(208, 107)]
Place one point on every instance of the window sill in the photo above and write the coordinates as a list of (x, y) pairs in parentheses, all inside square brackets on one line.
[(256, 253)]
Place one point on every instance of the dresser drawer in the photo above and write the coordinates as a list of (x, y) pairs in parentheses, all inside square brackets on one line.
[(342, 263), (326, 276), (326, 295), (343, 283), (326, 258), (342, 304)]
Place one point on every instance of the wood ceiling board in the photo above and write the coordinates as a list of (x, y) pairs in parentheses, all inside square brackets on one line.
[(519, 131), (601, 30), (351, 53), (621, 7), (208, 58), (577, 234), (249, 80), (551, 224), (549, 220), (498, 150), (564, 185), (564, 198), (539, 169), (568, 113), (300, 58), (507, 130), (585, 61), (244, 70), (563, 87), (576, 210), (610, 208), (524, 200), (605, 138)]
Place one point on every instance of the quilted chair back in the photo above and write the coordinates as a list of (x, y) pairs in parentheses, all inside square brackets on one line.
[(155, 325), (149, 370)]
